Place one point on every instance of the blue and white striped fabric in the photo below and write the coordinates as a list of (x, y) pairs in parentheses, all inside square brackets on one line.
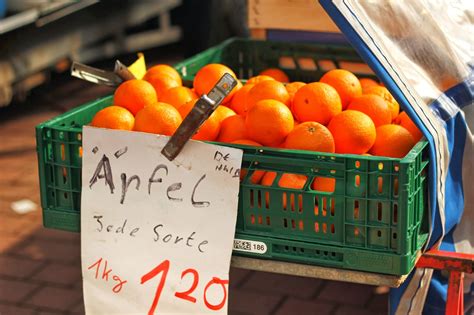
[(423, 51)]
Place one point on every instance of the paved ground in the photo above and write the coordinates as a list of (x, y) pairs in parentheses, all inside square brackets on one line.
[(40, 268)]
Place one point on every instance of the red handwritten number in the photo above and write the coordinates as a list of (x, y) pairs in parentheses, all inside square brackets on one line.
[(163, 267), (97, 263), (209, 284), (186, 294)]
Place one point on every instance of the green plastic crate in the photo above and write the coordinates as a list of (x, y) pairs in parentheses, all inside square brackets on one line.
[(374, 221)]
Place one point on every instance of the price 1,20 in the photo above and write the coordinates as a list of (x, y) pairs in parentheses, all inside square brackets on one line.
[(164, 267)]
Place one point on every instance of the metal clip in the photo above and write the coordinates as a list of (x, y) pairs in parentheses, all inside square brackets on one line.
[(201, 111)]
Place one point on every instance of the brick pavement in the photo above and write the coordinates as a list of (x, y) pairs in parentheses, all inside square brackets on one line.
[(40, 268)]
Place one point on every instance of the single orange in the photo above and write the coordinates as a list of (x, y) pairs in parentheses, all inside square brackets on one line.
[(269, 122), (257, 175), (223, 112), (258, 78), (162, 83), (163, 69), (277, 74), (367, 83), (385, 94), (247, 142), (232, 129), (353, 132), (207, 77), (267, 90), (317, 102), (292, 88), (405, 121), (345, 83), (238, 102), (178, 96), (392, 141), (374, 106), (287, 180), (326, 184), (134, 95), (209, 130), (310, 136), (113, 117), (159, 118)]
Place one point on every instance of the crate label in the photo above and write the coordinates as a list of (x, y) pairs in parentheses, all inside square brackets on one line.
[(250, 246), (156, 235)]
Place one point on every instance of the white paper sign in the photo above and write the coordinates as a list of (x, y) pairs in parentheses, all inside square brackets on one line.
[(156, 235)]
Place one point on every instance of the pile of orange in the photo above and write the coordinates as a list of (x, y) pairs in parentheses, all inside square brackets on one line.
[(339, 114)]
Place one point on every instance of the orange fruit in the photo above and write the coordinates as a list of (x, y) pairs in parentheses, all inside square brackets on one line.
[(247, 142), (392, 141), (276, 74), (269, 122), (405, 121), (178, 96), (163, 69), (258, 79), (287, 180), (317, 102), (374, 106), (232, 129), (310, 136), (269, 89), (257, 175), (159, 118), (162, 83), (292, 88), (209, 130), (367, 83), (134, 95), (113, 117), (239, 100), (326, 184), (207, 77), (345, 83), (385, 94), (223, 112), (353, 132)]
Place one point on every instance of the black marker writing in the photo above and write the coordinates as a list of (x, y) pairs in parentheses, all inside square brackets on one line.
[(199, 204), (126, 183), (104, 164)]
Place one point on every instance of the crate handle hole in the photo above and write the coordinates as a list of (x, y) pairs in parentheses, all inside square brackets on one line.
[(333, 254), (356, 209), (63, 152), (394, 235), (380, 184), (395, 213), (287, 248), (301, 249)]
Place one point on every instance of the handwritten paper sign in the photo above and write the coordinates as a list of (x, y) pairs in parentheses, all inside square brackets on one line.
[(156, 235)]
